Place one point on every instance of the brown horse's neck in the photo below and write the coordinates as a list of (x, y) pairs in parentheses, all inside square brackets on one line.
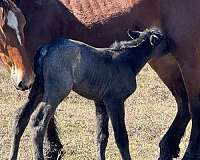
[(100, 30)]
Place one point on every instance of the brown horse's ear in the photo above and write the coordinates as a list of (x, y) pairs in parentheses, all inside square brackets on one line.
[(14, 18), (133, 34)]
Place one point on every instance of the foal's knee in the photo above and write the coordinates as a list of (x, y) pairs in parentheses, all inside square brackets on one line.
[(40, 118), (103, 138), (37, 122)]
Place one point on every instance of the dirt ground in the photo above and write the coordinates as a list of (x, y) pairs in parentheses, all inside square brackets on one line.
[(149, 113)]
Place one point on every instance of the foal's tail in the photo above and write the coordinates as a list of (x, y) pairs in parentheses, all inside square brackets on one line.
[(38, 61)]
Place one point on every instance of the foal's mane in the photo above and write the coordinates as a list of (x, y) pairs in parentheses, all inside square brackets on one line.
[(116, 46), (119, 45)]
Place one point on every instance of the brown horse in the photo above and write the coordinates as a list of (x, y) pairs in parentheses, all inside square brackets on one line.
[(13, 51), (99, 23)]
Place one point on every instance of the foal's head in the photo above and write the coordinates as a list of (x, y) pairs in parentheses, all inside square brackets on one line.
[(142, 46), (12, 49), (143, 43), (151, 39)]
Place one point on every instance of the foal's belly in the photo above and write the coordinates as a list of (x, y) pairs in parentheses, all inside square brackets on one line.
[(92, 78), (90, 91)]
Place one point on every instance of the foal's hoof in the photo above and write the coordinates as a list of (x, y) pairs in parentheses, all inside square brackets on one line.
[(55, 155), (61, 154), (168, 152)]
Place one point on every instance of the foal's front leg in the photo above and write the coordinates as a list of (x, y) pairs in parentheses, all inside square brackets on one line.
[(115, 109), (102, 129)]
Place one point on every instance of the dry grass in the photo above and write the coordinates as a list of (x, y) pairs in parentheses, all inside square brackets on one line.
[(149, 112)]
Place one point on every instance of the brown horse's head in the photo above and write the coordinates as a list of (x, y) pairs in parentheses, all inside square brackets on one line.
[(12, 50)]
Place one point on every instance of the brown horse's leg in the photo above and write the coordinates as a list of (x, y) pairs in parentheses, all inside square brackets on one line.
[(189, 62), (22, 118), (169, 72), (102, 129)]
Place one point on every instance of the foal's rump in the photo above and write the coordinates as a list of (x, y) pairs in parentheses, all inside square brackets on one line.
[(52, 54)]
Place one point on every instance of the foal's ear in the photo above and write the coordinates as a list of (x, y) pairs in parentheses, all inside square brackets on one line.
[(133, 34), (154, 40)]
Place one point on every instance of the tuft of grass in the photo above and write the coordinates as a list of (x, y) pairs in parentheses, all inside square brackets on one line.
[(149, 113)]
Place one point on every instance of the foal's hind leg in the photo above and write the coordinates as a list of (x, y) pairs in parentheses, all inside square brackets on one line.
[(40, 120), (102, 129), (22, 118), (115, 109), (54, 93), (55, 147), (169, 72)]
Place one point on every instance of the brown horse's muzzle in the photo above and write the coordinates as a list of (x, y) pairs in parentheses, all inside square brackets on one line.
[(21, 80)]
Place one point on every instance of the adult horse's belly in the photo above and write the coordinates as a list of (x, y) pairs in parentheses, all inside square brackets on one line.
[(105, 21), (93, 11)]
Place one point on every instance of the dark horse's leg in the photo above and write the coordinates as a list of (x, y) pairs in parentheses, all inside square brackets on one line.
[(169, 72), (115, 109), (102, 129), (22, 118), (55, 147), (53, 94), (40, 120)]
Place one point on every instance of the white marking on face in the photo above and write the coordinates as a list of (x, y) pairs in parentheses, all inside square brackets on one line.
[(12, 22), (16, 75)]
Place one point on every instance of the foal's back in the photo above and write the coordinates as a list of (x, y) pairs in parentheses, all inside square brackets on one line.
[(75, 52)]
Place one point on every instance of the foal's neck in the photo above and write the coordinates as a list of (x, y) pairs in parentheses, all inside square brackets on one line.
[(136, 57)]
